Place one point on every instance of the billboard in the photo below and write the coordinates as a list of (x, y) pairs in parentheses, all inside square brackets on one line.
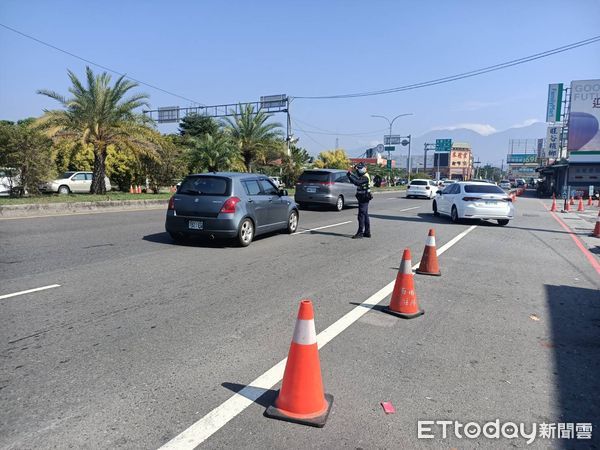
[(584, 116), (521, 158), (554, 102), (440, 159), (553, 137)]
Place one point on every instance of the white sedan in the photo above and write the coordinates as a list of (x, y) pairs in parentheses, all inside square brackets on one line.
[(421, 188), (474, 200)]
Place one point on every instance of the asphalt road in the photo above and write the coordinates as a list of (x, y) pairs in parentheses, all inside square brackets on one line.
[(144, 337)]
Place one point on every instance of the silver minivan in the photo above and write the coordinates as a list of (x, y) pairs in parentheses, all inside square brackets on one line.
[(329, 187)]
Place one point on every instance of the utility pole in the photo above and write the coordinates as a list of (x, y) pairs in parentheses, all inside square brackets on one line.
[(337, 143), (427, 148)]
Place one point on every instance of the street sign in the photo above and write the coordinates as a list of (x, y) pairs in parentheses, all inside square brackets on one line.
[(554, 102), (389, 165), (379, 148), (273, 101), (389, 148), (443, 145), (168, 114), (393, 139)]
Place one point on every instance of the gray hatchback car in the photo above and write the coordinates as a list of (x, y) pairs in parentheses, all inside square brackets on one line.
[(325, 187), (229, 205)]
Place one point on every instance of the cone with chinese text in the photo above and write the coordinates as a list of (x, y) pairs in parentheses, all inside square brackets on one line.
[(301, 398), (580, 205), (429, 261), (553, 207), (596, 232), (404, 299)]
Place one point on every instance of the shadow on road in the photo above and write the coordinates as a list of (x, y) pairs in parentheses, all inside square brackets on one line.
[(164, 238), (263, 397), (421, 217), (575, 329), (379, 308)]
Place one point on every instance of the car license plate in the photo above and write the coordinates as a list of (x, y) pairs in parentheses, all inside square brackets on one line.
[(492, 202), (196, 225), (311, 189)]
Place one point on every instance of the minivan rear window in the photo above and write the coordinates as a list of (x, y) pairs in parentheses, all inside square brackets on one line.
[(483, 189), (203, 185), (317, 177), (418, 183)]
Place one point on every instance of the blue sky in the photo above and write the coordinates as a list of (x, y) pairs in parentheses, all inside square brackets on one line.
[(225, 52)]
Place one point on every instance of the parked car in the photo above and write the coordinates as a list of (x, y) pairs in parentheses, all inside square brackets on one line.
[(474, 200), (329, 187), (520, 183), (421, 188), (10, 182), (505, 184), (229, 205), (72, 182)]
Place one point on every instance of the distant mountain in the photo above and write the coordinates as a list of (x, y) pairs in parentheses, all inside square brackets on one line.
[(491, 148)]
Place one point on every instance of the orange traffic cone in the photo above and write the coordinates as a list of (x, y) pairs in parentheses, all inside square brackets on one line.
[(139, 189), (131, 189), (580, 205), (301, 398), (553, 207), (404, 299), (572, 202), (429, 261), (596, 232), (589, 203), (567, 207)]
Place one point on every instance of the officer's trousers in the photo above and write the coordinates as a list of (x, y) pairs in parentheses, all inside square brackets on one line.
[(364, 225)]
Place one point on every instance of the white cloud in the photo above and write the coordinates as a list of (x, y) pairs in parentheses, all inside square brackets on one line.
[(526, 123), (484, 129)]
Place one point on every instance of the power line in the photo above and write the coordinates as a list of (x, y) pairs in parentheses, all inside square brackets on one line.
[(333, 133), (99, 65), (460, 76)]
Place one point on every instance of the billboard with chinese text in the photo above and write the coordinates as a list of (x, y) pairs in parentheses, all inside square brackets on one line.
[(584, 116)]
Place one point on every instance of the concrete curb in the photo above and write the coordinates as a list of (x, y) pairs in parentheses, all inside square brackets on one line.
[(52, 209)]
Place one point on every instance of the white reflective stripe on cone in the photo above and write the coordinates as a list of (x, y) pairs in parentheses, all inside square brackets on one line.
[(304, 333), (430, 241), (405, 267)]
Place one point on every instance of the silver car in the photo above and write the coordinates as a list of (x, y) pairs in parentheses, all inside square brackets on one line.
[(329, 187), (72, 182), (229, 205)]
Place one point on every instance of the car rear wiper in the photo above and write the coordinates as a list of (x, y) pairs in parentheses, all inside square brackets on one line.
[(191, 191)]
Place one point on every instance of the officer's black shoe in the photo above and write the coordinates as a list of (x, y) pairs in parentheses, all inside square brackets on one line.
[(357, 236), (367, 235)]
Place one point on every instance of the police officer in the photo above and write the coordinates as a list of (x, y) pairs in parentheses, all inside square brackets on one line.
[(362, 181)]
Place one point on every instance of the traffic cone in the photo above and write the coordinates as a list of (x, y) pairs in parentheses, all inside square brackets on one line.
[(139, 189), (572, 202), (553, 207), (589, 203), (404, 299), (580, 205), (567, 207), (301, 398), (596, 232), (429, 261), (131, 189)]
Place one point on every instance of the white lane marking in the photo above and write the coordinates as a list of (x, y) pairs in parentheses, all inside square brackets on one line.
[(408, 209), (321, 228), (43, 288), (226, 411)]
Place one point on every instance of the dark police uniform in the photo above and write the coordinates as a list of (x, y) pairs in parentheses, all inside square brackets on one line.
[(363, 195)]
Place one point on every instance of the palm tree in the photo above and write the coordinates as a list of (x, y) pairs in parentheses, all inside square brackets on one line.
[(252, 135), (213, 153), (100, 115)]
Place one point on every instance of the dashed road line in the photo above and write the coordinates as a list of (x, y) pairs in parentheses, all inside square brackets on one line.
[(43, 288), (226, 411)]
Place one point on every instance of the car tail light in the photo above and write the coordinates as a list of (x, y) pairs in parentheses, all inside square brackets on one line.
[(229, 205), (471, 199), (172, 203), (507, 199), (326, 183)]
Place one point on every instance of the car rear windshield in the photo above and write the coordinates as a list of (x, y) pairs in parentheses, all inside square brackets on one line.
[(418, 183), (318, 177), (203, 185), (483, 189)]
